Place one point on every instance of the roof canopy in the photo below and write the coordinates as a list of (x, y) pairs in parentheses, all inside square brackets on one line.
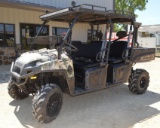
[(90, 14)]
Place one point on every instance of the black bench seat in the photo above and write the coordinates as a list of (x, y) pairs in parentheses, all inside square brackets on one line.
[(86, 55), (85, 63), (116, 50)]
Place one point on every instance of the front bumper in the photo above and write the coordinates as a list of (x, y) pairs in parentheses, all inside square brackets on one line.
[(19, 79)]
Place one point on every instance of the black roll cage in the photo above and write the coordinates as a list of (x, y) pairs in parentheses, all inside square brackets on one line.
[(94, 15)]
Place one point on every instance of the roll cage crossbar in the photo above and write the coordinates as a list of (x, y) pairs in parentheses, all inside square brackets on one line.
[(94, 15)]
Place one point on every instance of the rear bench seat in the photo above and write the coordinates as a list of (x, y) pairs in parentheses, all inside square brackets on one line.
[(116, 50)]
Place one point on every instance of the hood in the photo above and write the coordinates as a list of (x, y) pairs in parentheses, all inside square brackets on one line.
[(30, 57)]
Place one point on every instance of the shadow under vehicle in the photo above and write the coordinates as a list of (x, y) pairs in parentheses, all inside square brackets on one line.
[(76, 68)]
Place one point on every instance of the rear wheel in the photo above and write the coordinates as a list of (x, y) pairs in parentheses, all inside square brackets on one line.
[(47, 103), (15, 92), (139, 81)]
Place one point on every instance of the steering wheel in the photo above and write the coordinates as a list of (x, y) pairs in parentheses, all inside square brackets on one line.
[(70, 47)]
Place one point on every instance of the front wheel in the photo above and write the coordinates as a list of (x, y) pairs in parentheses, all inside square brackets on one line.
[(139, 81), (15, 92), (47, 103)]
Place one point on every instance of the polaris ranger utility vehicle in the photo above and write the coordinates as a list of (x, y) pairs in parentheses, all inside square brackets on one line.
[(75, 67)]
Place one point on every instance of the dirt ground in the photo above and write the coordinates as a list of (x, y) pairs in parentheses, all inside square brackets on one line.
[(115, 107)]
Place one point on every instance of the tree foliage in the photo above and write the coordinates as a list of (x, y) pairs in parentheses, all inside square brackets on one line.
[(131, 6)]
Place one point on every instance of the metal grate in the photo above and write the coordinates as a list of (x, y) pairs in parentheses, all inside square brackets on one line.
[(44, 41)]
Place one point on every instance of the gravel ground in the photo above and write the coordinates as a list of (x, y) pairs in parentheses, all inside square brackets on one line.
[(110, 108)]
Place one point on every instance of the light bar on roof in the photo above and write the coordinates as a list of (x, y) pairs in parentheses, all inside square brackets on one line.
[(46, 16)]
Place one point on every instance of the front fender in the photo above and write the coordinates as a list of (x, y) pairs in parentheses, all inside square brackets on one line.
[(62, 67)]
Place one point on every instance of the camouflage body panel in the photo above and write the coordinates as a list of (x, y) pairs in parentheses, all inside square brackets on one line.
[(65, 63), (39, 61)]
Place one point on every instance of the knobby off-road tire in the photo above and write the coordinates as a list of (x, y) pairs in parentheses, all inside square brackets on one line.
[(47, 103), (15, 92), (138, 81)]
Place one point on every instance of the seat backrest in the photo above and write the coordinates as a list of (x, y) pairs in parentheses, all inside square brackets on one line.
[(86, 50), (117, 48), (121, 34)]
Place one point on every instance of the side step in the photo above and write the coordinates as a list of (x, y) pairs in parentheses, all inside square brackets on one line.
[(79, 91)]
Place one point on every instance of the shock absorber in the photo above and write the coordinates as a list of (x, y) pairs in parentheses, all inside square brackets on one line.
[(47, 78), (42, 79)]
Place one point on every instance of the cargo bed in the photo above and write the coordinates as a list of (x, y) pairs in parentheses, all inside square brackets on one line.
[(142, 54)]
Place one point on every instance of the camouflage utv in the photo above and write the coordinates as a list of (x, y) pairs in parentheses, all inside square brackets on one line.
[(74, 67)]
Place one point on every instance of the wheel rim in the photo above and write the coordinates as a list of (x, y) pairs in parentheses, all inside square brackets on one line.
[(143, 82), (53, 105), (20, 92)]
